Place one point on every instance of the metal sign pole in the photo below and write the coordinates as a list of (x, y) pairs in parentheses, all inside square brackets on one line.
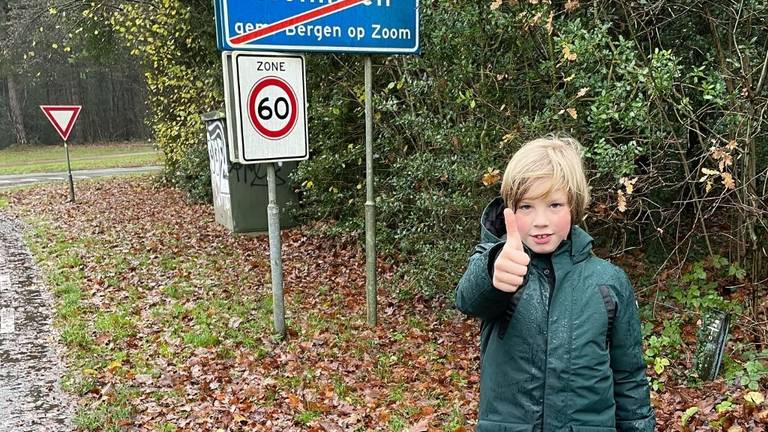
[(370, 204), (62, 118), (69, 172), (275, 258)]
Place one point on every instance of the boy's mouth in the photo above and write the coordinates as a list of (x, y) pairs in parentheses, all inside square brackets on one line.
[(541, 238)]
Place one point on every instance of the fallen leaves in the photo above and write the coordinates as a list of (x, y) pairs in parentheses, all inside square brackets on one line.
[(178, 277), (491, 177), (567, 54), (183, 280), (621, 201), (755, 398)]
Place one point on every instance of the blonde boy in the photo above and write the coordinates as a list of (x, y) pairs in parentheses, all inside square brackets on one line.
[(560, 345)]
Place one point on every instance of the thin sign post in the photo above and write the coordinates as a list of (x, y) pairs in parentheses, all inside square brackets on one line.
[(63, 118), (370, 203), (275, 254), (270, 126)]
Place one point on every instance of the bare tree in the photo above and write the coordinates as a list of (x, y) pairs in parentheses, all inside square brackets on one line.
[(7, 69)]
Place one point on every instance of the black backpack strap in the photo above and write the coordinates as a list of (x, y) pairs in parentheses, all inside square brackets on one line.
[(509, 313), (610, 307)]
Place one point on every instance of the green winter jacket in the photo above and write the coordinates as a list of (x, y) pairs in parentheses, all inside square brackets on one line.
[(556, 366)]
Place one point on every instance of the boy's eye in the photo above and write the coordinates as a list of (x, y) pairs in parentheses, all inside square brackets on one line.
[(556, 205), (524, 206)]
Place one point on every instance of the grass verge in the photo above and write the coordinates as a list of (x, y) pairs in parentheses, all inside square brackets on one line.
[(36, 159), (167, 322)]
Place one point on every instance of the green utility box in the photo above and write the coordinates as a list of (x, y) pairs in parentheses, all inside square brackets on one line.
[(240, 195)]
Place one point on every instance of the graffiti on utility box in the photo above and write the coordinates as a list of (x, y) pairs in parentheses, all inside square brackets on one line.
[(240, 191)]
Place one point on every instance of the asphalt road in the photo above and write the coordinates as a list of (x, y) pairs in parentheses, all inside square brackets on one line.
[(7, 181)]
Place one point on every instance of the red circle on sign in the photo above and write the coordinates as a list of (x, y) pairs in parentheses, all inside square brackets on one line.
[(256, 121)]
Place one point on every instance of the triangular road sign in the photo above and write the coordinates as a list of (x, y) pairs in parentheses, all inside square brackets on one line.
[(62, 117)]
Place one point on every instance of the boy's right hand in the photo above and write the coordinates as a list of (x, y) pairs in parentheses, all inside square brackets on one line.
[(511, 263)]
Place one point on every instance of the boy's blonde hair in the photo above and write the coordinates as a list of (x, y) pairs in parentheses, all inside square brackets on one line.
[(554, 157)]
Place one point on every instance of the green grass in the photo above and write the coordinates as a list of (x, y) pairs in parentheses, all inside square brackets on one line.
[(108, 416), (306, 417), (107, 339), (78, 323), (35, 159)]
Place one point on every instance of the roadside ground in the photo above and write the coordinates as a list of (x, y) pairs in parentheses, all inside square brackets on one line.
[(167, 322)]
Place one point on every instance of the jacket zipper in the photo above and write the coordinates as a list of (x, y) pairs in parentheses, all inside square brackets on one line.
[(550, 292), (547, 304)]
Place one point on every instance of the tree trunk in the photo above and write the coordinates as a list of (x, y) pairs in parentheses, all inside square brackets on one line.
[(15, 112)]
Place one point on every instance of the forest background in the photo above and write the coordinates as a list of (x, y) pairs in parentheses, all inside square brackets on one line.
[(668, 97)]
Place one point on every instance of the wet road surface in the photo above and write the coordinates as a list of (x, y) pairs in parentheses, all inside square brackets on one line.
[(30, 397)]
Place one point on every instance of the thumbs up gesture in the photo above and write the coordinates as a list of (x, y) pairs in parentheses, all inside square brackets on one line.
[(511, 263)]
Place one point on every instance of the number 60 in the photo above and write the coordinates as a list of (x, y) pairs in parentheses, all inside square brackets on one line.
[(266, 112)]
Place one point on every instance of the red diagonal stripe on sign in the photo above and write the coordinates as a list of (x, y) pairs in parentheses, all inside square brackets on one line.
[(295, 20)]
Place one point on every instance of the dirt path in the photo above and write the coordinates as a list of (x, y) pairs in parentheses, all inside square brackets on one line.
[(30, 368)]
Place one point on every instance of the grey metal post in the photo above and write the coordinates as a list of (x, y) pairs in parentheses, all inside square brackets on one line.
[(69, 172), (370, 204), (275, 258)]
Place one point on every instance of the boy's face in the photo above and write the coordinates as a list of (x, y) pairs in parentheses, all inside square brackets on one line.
[(543, 222)]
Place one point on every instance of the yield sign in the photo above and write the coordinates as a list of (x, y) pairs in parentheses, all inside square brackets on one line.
[(62, 117)]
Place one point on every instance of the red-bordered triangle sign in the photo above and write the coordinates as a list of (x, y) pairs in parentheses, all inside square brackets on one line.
[(62, 117)]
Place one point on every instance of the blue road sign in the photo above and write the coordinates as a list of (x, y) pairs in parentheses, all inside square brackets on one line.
[(357, 26)]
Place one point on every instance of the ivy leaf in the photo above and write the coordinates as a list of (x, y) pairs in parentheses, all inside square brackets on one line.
[(660, 363), (724, 406), (690, 412)]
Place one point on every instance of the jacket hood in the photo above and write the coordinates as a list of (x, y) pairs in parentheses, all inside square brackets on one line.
[(493, 230)]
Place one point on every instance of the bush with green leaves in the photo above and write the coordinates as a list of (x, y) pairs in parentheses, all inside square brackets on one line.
[(665, 97), (698, 290), (644, 108)]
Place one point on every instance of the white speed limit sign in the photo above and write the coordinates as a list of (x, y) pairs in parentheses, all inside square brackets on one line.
[(271, 107)]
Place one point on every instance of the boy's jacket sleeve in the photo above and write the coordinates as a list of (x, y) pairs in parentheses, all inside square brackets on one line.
[(631, 392), (475, 294)]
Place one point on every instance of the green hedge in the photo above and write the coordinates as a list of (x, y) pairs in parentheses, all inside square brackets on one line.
[(626, 79)]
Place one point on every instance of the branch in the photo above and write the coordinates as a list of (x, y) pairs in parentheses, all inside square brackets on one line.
[(761, 81)]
